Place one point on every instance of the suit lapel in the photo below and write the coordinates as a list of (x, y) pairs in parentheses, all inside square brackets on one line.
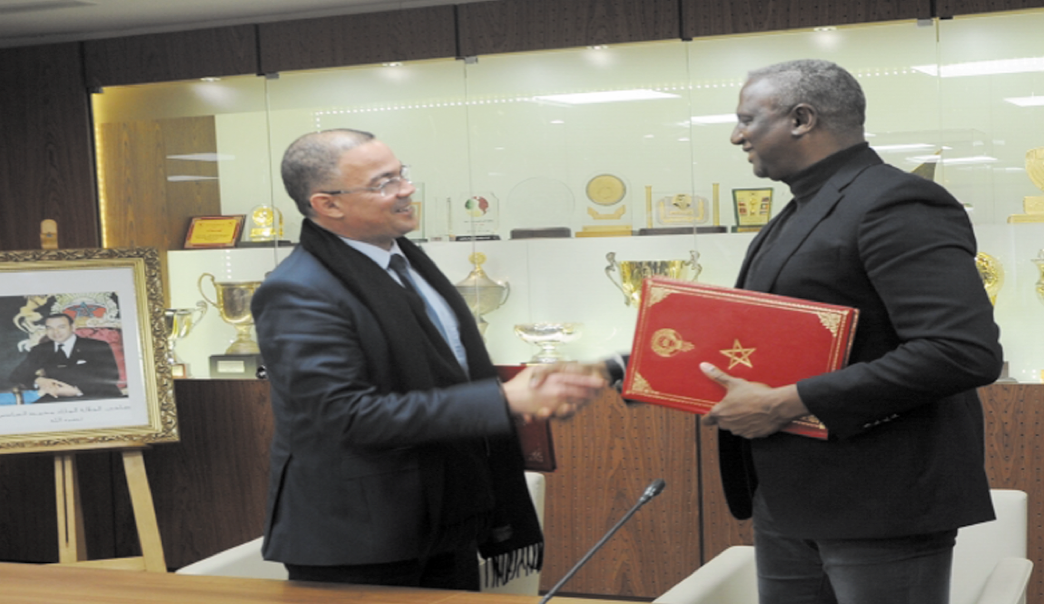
[(801, 225)]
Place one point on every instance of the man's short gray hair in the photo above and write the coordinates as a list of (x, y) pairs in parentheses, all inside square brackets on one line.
[(828, 87), (311, 161)]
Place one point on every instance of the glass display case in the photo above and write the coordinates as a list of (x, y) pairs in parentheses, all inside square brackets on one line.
[(618, 150)]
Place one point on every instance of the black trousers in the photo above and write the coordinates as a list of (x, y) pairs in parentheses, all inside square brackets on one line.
[(452, 570)]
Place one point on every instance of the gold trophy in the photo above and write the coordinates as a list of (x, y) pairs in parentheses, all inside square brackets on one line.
[(266, 224), (633, 272), (1033, 205), (243, 357), (992, 274), (483, 295), (548, 336), (179, 322)]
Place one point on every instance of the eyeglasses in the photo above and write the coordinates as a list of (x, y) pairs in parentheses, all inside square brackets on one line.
[(388, 188)]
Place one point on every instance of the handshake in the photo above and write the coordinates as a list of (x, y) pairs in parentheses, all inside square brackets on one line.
[(558, 390)]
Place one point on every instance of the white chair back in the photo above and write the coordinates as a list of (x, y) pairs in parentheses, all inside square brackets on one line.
[(981, 547), (240, 561), (989, 564)]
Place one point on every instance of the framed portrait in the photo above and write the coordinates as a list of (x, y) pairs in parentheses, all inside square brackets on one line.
[(83, 351)]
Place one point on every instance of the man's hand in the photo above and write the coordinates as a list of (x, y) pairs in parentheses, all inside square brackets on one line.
[(749, 409), (558, 390), (56, 388)]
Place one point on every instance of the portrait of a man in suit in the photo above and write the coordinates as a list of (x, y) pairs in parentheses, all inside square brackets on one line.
[(66, 366)]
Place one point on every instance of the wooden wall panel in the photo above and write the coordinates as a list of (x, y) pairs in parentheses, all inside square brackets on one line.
[(607, 455), (142, 206), (1015, 457), (171, 56), (713, 18), (46, 164), (28, 522), (422, 33), (210, 487), (518, 25), (188, 198), (951, 8), (28, 517)]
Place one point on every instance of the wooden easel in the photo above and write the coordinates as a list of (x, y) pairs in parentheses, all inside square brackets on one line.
[(72, 546)]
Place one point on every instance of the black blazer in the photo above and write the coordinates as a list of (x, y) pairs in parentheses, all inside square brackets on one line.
[(355, 467), (91, 367), (906, 452)]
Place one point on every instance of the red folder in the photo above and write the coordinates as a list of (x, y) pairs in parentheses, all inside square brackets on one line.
[(766, 338), (538, 448)]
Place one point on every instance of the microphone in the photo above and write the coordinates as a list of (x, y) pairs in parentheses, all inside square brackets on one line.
[(651, 491)]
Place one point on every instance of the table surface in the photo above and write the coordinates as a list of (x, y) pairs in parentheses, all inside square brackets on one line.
[(57, 584)]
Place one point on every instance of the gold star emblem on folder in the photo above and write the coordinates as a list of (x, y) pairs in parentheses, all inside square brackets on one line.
[(738, 355)]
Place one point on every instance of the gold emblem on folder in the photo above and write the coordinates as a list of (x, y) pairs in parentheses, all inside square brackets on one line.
[(738, 355), (667, 342)]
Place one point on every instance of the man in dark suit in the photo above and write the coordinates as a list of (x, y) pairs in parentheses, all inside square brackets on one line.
[(870, 515), (394, 457), (68, 366)]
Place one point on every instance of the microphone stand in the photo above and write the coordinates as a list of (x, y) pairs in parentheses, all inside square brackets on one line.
[(651, 491)]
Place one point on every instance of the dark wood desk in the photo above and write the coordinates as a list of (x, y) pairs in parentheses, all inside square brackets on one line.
[(52, 584)]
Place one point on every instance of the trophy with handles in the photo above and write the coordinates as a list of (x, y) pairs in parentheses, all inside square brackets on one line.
[(482, 294), (243, 356), (548, 336), (179, 323), (631, 273)]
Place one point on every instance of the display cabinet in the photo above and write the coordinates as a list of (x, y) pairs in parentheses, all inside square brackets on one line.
[(612, 147)]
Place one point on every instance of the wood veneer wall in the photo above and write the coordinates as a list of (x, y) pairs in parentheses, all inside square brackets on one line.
[(46, 162), (147, 203), (1015, 460), (607, 456), (711, 18)]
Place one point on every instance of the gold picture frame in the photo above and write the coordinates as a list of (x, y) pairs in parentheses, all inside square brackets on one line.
[(111, 295)]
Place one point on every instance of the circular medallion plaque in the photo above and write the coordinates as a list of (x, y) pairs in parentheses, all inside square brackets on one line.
[(606, 189)]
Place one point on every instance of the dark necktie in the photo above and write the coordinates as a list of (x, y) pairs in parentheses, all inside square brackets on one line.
[(398, 264)]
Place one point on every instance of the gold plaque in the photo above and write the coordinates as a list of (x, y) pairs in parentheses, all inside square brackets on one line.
[(213, 231), (606, 189), (753, 208)]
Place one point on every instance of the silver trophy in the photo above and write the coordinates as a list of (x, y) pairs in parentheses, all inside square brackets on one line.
[(548, 336), (179, 323), (482, 294)]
